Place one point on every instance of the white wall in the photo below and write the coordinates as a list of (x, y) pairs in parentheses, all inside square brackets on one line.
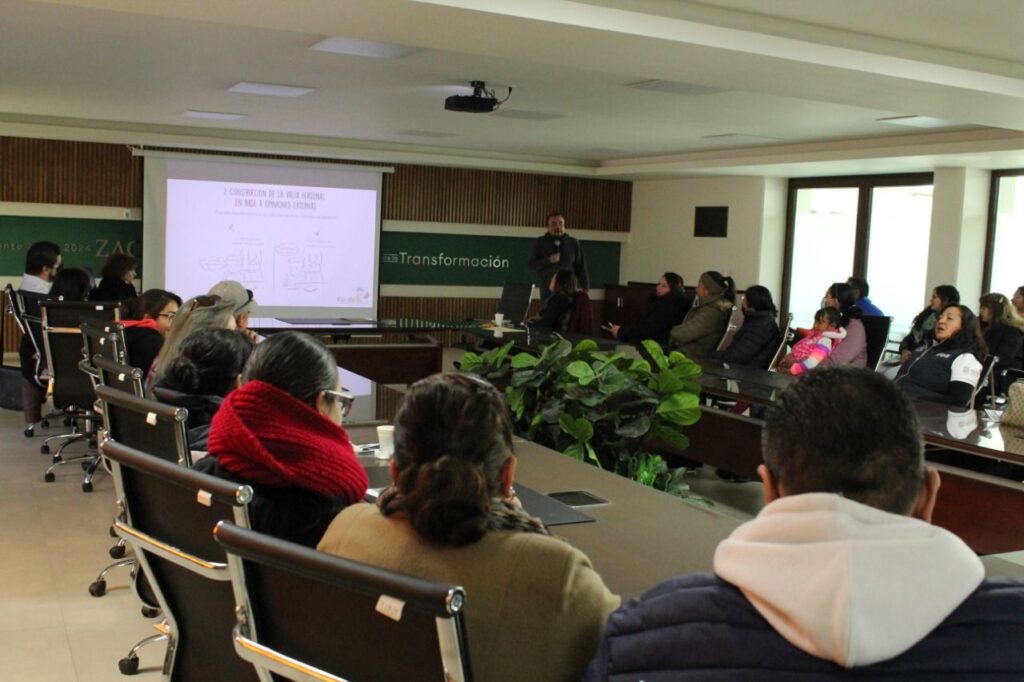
[(661, 237), (956, 248)]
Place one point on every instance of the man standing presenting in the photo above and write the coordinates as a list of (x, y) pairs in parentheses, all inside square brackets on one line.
[(554, 251)]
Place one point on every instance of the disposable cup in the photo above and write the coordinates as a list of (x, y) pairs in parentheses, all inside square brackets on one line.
[(386, 438)]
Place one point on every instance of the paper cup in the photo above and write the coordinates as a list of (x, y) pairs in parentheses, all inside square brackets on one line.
[(499, 319), (386, 438)]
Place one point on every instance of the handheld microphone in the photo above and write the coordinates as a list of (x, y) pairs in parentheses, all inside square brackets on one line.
[(558, 244)]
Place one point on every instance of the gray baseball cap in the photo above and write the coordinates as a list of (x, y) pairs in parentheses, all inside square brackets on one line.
[(233, 291)]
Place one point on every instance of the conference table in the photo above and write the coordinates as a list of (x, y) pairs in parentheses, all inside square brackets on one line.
[(983, 509)]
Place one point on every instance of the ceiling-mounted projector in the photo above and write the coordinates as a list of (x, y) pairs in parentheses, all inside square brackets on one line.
[(482, 101)]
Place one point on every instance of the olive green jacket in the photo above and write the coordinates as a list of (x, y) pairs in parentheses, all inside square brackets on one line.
[(535, 608), (702, 328)]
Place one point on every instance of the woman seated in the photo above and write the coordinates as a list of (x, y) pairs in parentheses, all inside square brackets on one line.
[(853, 350), (556, 311), (208, 367), (118, 277), (1018, 300), (704, 325), (948, 371), (1003, 329), (71, 284), (200, 312), (147, 320), (759, 337), (666, 310), (451, 516), (923, 327), (281, 433)]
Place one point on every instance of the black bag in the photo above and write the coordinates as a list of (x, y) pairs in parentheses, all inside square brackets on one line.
[(10, 388)]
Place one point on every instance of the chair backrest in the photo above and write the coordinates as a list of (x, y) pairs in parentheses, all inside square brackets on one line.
[(986, 378), (24, 308), (122, 377), (581, 317), (169, 516), (876, 332), (515, 301), (106, 340), (154, 428), (62, 345), (73, 313), (731, 328), (780, 352), (282, 589)]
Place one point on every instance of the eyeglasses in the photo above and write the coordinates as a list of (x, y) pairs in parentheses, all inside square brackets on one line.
[(344, 398), (169, 316)]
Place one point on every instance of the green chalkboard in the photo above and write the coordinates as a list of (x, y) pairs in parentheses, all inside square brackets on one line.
[(84, 242), (473, 260)]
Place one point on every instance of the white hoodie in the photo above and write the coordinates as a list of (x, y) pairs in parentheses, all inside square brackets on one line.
[(847, 582)]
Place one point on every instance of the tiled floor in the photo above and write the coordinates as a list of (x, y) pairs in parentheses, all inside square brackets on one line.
[(54, 541)]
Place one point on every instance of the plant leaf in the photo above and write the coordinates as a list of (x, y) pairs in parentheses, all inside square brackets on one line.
[(654, 350), (524, 360), (680, 408), (582, 371), (635, 427), (470, 361)]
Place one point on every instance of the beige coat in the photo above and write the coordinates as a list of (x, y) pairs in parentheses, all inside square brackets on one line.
[(702, 329), (535, 608)]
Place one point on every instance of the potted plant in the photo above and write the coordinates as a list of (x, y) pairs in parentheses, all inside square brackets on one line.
[(599, 407)]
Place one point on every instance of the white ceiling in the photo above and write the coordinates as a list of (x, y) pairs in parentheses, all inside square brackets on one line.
[(811, 76)]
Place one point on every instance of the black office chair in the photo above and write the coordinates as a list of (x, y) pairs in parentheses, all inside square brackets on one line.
[(169, 516), (733, 326), (307, 615), (515, 302), (72, 394), (118, 376), (155, 428), (104, 340), (24, 308), (986, 379), (876, 331)]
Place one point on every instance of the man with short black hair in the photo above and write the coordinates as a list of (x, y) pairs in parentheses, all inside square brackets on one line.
[(861, 288), (555, 250), (841, 569), (42, 262)]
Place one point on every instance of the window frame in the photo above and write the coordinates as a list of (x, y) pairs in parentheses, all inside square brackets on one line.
[(990, 232), (862, 234)]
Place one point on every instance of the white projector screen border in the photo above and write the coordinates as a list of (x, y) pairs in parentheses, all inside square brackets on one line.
[(162, 167)]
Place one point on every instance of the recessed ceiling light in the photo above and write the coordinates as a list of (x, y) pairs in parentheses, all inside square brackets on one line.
[(674, 87), (364, 48), (247, 88), (212, 115), (915, 121)]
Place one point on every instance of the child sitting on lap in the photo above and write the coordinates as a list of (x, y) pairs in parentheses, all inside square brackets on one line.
[(820, 340)]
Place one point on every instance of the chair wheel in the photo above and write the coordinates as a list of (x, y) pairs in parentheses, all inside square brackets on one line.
[(117, 552), (85, 465), (67, 421), (128, 665), (98, 588), (44, 449), (29, 432), (45, 423), (55, 459), (49, 477), (87, 487), (113, 533), (150, 611)]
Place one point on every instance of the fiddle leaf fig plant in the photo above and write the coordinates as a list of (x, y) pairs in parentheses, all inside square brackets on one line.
[(599, 407)]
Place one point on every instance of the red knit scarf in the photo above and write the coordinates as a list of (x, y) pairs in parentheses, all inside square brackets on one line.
[(148, 323), (271, 438)]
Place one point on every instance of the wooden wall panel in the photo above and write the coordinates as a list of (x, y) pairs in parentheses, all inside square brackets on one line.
[(67, 172)]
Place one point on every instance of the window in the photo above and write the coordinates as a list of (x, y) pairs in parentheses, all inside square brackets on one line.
[(1005, 233), (875, 227)]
